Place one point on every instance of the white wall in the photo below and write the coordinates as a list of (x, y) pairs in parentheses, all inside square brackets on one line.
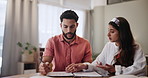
[(75, 4), (72, 4), (136, 12), (98, 30), (95, 3)]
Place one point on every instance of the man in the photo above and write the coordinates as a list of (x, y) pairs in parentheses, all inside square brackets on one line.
[(67, 48)]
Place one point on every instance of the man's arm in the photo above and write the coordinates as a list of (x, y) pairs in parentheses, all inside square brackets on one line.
[(47, 59), (88, 54)]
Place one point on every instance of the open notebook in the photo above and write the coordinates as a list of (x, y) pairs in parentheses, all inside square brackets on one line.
[(76, 74)]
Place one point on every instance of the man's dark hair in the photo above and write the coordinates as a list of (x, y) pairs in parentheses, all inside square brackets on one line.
[(69, 14)]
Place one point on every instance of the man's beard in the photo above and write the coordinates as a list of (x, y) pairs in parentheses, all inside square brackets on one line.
[(73, 35)]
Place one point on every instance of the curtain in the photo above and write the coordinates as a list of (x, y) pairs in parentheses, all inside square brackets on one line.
[(21, 25)]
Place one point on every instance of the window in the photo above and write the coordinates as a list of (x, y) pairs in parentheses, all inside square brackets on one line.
[(2, 23), (49, 22)]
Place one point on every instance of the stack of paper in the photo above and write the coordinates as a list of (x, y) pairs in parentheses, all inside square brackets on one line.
[(76, 74), (59, 74), (36, 77), (86, 74), (124, 76)]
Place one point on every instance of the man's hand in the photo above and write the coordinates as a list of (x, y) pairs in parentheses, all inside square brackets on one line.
[(76, 67), (44, 68)]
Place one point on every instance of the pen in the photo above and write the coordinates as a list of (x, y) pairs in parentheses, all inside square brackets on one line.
[(47, 63)]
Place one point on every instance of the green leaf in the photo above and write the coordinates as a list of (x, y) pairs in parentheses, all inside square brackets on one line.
[(30, 52), (19, 44), (26, 48), (35, 49), (28, 44)]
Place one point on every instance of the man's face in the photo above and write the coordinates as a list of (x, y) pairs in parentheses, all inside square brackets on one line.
[(68, 27)]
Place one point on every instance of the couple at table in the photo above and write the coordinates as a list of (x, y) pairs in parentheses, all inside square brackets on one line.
[(71, 53)]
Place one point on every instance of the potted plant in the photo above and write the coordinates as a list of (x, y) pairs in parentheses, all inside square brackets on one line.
[(27, 51)]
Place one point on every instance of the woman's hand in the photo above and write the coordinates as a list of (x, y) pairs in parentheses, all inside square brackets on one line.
[(76, 67), (107, 67)]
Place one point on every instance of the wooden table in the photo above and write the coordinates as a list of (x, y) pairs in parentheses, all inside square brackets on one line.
[(37, 74)]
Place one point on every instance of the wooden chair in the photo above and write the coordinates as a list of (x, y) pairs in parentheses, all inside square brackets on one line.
[(39, 58)]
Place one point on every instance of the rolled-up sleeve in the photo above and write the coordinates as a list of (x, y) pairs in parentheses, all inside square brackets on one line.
[(49, 50), (139, 65)]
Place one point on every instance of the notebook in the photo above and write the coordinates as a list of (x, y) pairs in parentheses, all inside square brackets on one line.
[(60, 74), (76, 74)]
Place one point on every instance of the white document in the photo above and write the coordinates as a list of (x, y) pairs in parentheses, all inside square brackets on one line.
[(76, 74), (125, 76), (36, 77), (59, 74), (86, 74)]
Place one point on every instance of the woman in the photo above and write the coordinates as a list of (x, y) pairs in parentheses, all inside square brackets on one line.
[(120, 56)]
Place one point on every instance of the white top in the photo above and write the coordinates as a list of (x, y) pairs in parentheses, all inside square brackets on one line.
[(107, 55)]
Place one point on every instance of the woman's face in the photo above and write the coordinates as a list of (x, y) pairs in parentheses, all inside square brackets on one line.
[(113, 34)]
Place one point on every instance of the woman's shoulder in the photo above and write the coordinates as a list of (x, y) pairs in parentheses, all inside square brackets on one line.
[(110, 44)]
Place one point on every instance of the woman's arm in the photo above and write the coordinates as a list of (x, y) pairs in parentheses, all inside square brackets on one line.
[(139, 65)]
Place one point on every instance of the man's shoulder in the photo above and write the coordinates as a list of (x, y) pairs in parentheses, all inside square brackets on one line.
[(55, 38)]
